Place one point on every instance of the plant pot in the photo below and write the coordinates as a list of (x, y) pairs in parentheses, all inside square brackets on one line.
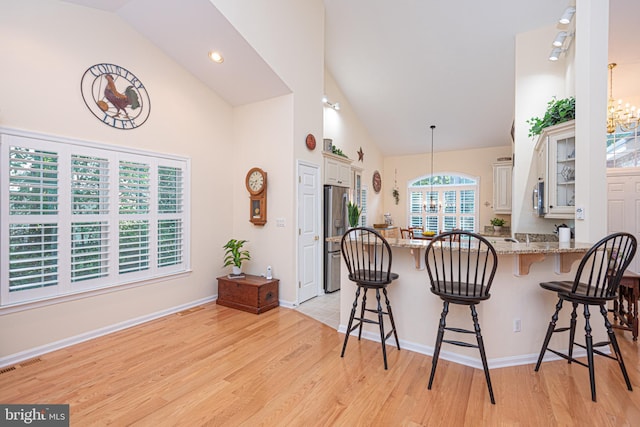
[(497, 228), (236, 270)]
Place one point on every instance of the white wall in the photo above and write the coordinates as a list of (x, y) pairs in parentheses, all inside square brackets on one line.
[(263, 133), (46, 48), (289, 35), (346, 131)]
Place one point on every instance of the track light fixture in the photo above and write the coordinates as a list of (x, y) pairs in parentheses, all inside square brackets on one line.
[(334, 105), (567, 16), (559, 40), (555, 54)]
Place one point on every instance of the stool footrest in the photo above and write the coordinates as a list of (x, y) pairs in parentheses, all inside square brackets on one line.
[(566, 357), (460, 343), (462, 331)]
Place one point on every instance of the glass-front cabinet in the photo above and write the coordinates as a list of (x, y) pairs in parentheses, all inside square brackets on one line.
[(558, 143)]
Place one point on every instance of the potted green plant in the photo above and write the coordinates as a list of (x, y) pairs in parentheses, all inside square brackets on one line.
[(396, 194), (234, 255), (354, 214), (558, 111), (497, 223)]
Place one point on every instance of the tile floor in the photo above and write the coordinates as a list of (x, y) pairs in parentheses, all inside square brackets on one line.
[(324, 308)]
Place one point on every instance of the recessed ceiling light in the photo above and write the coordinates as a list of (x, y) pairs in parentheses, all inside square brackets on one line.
[(216, 57)]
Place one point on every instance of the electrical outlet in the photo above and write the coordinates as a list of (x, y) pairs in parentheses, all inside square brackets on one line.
[(517, 325)]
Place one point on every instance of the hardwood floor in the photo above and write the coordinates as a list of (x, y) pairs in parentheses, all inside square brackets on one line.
[(220, 366)]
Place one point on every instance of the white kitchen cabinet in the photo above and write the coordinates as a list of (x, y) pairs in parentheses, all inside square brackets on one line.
[(559, 145), (337, 170), (502, 174)]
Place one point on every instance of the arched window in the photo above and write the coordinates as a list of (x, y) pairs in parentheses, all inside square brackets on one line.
[(443, 202)]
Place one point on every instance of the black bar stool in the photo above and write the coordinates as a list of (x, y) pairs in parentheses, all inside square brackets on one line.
[(596, 283), (461, 266), (368, 258)]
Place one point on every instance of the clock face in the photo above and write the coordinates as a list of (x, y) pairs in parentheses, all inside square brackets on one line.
[(256, 181)]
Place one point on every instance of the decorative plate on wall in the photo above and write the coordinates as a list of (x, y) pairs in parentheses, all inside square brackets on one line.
[(376, 181), (311, 142), (115, 96)]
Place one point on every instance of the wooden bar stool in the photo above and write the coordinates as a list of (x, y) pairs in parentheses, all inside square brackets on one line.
[(595, 284), (368, 258), (461, 267), (626, 317)]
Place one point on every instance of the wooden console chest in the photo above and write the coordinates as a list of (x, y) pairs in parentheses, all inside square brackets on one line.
[(254, 294)]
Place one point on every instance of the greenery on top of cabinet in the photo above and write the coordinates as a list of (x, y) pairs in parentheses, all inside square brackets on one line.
[(558, 111)]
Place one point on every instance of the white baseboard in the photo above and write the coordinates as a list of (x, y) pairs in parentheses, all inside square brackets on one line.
[(501, 362), (12, 359)]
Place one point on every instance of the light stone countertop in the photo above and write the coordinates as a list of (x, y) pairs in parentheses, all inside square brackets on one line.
[(502, 247)]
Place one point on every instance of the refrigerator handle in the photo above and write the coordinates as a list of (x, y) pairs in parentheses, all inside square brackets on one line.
[(345, 212)]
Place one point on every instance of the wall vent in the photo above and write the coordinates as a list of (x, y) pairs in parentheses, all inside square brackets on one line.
[(30, 362), (7, 369)]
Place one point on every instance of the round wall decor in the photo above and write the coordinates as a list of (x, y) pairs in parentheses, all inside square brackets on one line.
[(311, 142), (376, 181), (115, 96)]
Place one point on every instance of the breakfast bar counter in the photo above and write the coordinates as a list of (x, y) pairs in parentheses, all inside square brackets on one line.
[(513, 321)]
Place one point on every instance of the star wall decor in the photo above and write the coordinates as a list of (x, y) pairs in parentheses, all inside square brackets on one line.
[(360, 154)]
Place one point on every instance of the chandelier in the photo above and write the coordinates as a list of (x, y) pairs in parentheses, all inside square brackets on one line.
[(625, 117)]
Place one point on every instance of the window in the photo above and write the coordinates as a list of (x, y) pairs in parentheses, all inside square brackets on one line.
[(79, 216), (363, 205), (443, 202), (623, 149)]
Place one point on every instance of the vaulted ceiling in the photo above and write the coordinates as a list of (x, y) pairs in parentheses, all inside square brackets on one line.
[(402, 65)]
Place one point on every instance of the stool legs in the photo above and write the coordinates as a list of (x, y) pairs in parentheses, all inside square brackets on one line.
[(393, 324), (616, 347), (440, 339), (550, 330), (572, 330), (380, 320), (483, 355), (589, 345), (436, 351), (351, 317)]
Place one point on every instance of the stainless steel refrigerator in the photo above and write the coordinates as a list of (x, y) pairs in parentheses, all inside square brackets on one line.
[(335, 224)]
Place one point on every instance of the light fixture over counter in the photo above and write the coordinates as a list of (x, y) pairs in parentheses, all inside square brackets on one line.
[(563, 39), (625, 117), (334, 105)]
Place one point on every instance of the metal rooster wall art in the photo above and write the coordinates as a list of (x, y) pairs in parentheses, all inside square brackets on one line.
[(115, 96)]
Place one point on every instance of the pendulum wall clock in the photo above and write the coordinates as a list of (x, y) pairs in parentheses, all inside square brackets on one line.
[(256, 183)]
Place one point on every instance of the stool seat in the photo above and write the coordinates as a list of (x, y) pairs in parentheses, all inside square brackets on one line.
[(372, 279), (368, 258)]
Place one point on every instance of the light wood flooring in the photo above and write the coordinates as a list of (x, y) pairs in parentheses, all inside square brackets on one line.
[(219, 366)]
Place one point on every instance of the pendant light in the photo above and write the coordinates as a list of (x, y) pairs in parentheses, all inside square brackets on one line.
[(432, 202)]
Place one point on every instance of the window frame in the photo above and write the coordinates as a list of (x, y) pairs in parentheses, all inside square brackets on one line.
[(440, 190), (65, 218)]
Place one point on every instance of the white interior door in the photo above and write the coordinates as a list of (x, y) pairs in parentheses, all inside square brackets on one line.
[(309, 244), (623, 205)]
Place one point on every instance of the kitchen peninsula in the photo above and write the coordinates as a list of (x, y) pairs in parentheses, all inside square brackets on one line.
[(513, 321)]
